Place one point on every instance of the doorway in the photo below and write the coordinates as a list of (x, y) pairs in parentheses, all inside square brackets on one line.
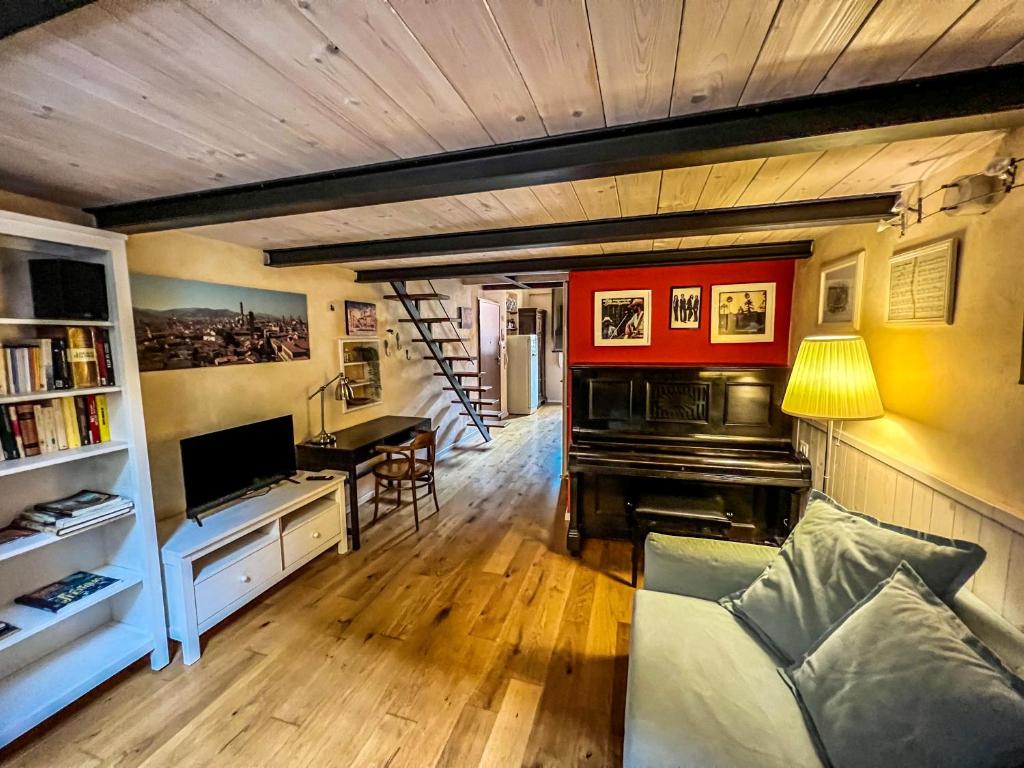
[(489, 338)]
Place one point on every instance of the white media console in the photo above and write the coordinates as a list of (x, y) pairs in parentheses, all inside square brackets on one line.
[(210, 571)]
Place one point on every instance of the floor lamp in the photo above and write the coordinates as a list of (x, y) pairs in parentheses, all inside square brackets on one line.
[(832, 381)]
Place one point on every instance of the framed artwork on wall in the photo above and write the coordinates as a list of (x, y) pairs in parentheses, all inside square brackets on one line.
[(360, 318), (684, 308), (922, 283), (622, 318), (839, 295), (743, 313), (191, 324)]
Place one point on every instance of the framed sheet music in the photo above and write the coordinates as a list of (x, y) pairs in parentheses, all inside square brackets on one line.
[(922, 284)]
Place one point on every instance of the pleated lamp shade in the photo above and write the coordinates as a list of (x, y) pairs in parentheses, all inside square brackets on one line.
[(832, 379)]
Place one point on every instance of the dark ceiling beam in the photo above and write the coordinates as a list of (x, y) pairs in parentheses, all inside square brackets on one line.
[(754, 218), (527, 286), (525, 269), (974, 100), (16, 15)]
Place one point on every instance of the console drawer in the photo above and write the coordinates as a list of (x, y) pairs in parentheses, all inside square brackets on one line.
[(310, 534), (236, 580)]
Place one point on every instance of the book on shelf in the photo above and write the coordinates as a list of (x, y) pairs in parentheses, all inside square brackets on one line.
[(68, 590), (83, 502), (44, 523), (6, 628), (47, 426), (78, 512), (82, 357), (15, 533)]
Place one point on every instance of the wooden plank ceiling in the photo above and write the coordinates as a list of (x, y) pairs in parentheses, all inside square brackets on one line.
[(128, 99)]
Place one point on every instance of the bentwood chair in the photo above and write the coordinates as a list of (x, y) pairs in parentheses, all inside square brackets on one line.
[(402, 466)]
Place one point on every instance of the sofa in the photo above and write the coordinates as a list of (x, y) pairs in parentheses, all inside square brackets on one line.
[(702, 689)]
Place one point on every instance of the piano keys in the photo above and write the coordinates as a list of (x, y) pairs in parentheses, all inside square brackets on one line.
[(682, 430)]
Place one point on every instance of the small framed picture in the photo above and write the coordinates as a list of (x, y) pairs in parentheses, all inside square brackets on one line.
[(622, 318), (684, 308), (744, 313), (840, 292), (360, 318), (922, 284)]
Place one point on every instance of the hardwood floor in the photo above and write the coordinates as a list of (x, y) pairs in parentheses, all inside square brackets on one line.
[(477, 641)]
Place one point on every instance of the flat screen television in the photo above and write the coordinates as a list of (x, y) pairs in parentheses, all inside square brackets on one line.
[(222, 466)]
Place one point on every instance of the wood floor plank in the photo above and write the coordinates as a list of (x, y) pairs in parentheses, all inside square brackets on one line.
[(507, 743), (476, 641)]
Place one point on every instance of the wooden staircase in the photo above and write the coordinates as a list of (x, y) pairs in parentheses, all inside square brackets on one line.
[(468, 395)]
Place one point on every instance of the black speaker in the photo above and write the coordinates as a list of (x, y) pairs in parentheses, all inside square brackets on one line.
[(72, 290)]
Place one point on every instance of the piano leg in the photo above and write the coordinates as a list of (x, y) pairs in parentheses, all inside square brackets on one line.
[(573, 537)]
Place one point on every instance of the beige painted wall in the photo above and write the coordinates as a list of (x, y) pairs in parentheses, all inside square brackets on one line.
[(954, 407), (33, 206), (182, 403)]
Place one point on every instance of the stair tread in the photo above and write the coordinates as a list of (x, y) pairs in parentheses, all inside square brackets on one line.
[(442, 340), (453, 358), (486, 414), (416, 297), (470, 388), (481, 400), (470, 374), (426, 320)]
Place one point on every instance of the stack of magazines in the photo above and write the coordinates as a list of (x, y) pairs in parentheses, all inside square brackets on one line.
[(76, 513)]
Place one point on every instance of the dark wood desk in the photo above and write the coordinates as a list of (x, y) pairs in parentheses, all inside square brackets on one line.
[(355, 446)]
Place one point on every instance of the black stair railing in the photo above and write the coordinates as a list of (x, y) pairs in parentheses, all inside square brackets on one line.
[(411, 306)]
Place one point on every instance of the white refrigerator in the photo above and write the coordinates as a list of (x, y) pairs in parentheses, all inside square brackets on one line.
[(523, 375)]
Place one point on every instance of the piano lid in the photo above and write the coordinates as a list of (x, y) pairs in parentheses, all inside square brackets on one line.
[(686, 406)]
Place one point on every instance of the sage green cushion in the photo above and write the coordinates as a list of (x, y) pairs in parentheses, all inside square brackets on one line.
[(702, 692), (705, 568), (903, 682), (832, 559)]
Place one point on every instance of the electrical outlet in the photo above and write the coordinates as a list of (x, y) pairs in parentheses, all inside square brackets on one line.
[(805, 449)]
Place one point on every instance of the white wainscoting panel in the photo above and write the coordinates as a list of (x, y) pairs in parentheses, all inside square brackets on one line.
[(884, 487)]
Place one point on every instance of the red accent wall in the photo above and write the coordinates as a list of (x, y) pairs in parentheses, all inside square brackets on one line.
[(682, 347)]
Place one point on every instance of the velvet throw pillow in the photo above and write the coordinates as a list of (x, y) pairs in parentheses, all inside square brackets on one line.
[(832, 559), (903, 682)]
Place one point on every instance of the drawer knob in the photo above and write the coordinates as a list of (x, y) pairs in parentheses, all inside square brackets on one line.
[(316, 534), (245, 578)]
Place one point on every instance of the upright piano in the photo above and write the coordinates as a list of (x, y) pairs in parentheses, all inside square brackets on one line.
[(685, 431)]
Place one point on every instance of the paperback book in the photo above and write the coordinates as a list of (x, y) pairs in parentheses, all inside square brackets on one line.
[(6, 628), (82, 357), (82, 502), (29, 429), (15, 533), (68, 590)]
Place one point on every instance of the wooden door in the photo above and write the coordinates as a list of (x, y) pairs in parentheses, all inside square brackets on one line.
[(490, 348)]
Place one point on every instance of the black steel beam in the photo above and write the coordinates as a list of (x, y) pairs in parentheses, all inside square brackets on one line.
[(753, 218), (523, 269), (504, 287), (979, 99), (16, 15)]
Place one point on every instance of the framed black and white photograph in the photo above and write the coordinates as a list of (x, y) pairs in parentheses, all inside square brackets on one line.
[(360, 318), (839, 295), (743, 313), (622, 318), (684, 308), (922, 284)]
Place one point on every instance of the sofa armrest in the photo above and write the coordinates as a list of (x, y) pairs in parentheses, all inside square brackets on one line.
[(704, 568)]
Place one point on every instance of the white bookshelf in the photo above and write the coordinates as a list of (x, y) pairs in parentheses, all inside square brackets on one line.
[(53, 394), (57, 657)]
